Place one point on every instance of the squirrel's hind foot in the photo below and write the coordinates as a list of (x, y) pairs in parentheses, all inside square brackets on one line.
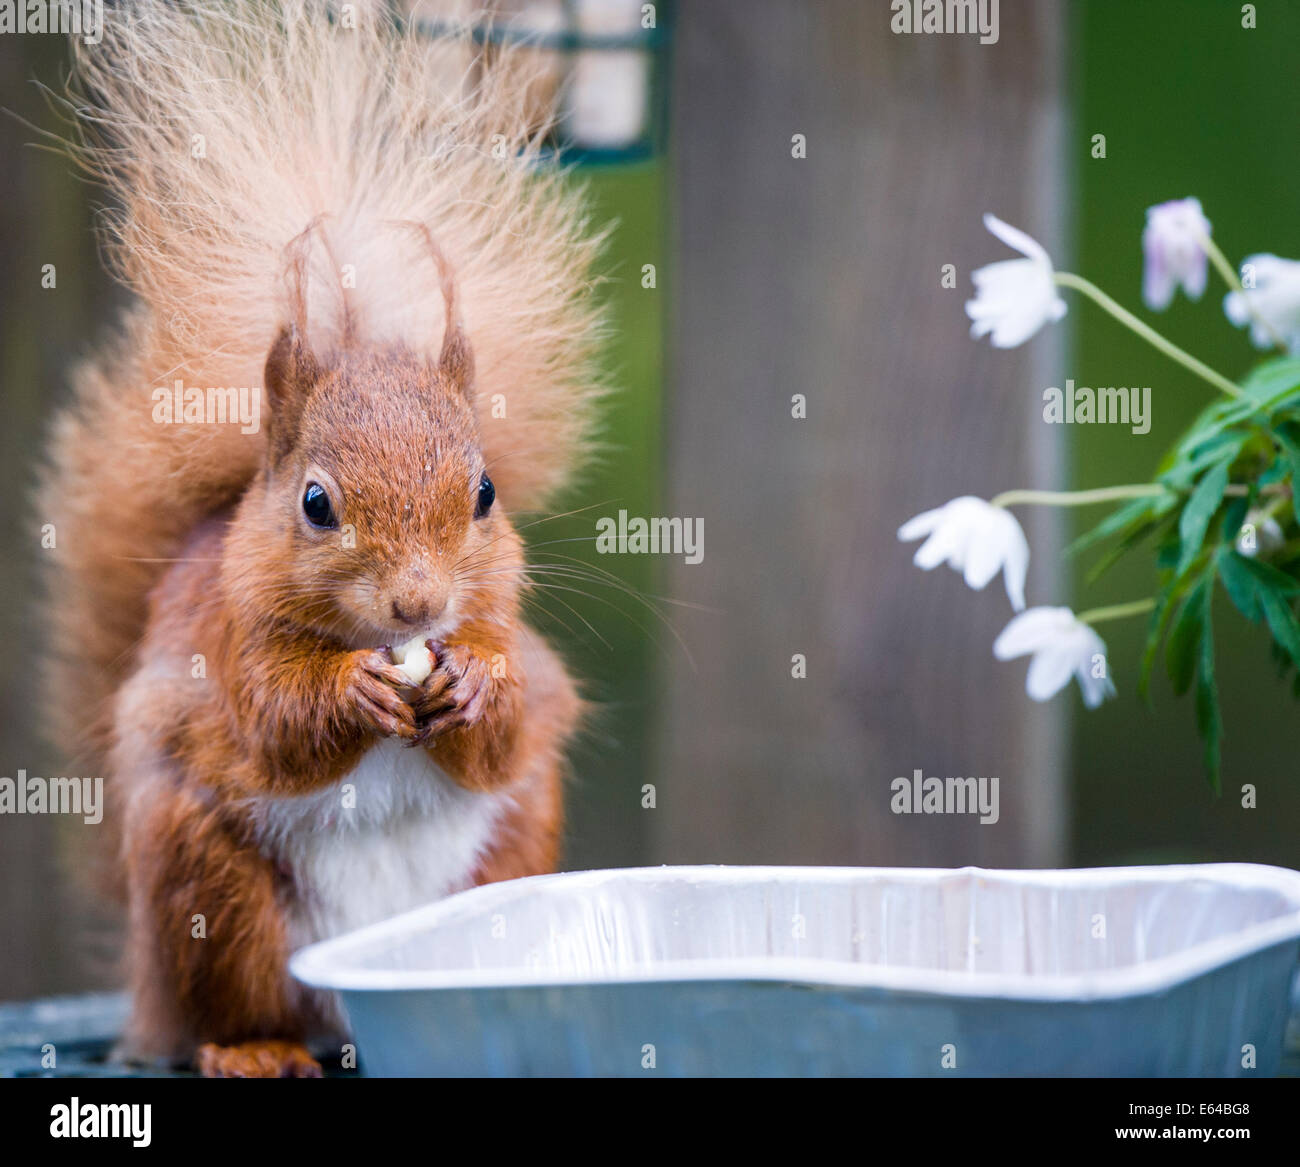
[(257, 1059)]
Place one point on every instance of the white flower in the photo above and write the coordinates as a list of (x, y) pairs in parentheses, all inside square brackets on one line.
[(1260, 532), (976, 538), (1173, 244), (1014, 298), (1062, 647), (1272, 306)]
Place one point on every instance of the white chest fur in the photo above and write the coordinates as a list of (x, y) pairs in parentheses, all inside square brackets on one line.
[(392, 834)]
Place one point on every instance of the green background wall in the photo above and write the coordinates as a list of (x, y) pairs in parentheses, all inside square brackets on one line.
[(1191, 104)]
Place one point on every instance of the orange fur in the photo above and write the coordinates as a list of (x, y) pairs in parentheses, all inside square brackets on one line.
[(364, 134), (213, 649), (257, 1059)]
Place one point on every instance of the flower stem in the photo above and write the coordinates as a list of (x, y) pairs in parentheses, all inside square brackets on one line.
[(1124, 316), (1221, 264), (1079, 498), (1116, 611)]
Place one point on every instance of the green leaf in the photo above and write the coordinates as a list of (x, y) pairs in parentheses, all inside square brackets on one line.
[(1167, 554), (1234, 518), (1278, 470), (1288, 437), (1159, 622), (1167, 602), (1258, 589), (1268, 576), (1282, 623), (1241, 586), (1273, 383), (1209, 721), (1200, 508), (1186, 468), (1180, 656), (1130, 540), (1212, 421), (1269, 388), (1136, 512)]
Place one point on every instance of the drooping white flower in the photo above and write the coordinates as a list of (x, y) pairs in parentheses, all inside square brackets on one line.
[(975, 538), (1173, 244), (1272, 306), (1014, 298), (1062, 647)]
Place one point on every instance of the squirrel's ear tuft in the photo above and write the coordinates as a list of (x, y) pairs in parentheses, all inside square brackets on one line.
[(456, 361), (291, 373)]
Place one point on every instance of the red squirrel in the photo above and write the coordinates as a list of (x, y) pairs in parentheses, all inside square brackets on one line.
[(351, 221)]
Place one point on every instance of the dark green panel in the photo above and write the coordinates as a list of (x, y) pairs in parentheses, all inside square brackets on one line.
[(1191, 104), (606, 627)]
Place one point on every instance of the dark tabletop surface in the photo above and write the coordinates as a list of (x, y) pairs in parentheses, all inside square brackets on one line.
[(82, 1030)]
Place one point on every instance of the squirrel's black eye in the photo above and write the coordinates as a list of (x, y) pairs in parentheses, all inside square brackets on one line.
[(316, 506), (487, 494)]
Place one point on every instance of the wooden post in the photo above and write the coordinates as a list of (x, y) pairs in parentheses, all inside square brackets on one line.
[(55, 938), (821, 276)]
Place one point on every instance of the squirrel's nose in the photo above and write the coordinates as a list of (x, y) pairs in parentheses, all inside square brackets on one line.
[(413, 613), (418, 597)]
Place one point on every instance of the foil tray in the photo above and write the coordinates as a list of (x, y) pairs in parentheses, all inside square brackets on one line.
[(796, 971)]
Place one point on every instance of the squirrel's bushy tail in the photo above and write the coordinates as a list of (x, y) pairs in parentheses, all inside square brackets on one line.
[(224, 130)]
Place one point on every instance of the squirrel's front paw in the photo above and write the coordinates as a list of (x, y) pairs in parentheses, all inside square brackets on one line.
[(457, 693), (371, 694)]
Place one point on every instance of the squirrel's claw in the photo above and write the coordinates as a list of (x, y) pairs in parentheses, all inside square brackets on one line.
[(373, 689), (455, 695)]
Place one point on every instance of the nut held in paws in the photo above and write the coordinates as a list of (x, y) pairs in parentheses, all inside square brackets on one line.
[(414, 658)]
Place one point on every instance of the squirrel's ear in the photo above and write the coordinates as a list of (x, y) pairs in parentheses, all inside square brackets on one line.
[(456, 361), (291, 372)]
